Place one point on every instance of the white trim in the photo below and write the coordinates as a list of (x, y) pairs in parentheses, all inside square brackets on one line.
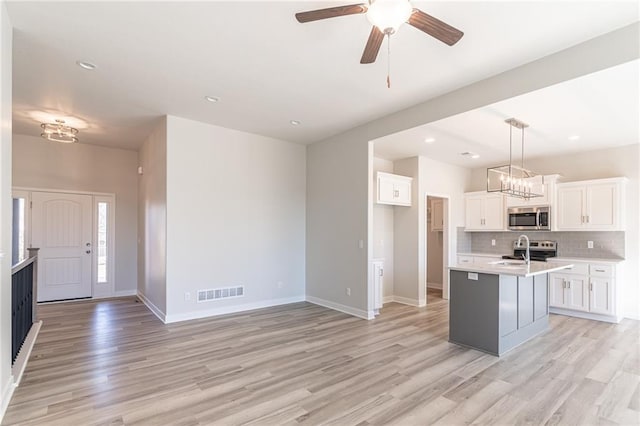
[(62, 191), (342, 308), (116, 294), (153, 308), (437, 286), (584, 315), (7, 393), (18, 193), (633, 317), (407, 301), (232, 309), (387, 299), (25, 352)]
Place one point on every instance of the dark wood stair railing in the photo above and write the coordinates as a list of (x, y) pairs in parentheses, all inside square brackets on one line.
[(23, 301)]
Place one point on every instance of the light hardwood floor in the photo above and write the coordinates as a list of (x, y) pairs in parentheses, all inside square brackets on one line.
[(112, 362)]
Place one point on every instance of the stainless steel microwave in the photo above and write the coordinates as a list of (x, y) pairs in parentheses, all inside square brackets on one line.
[(529, 218)]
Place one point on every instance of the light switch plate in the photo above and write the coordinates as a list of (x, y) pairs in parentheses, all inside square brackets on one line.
[(589, 244)]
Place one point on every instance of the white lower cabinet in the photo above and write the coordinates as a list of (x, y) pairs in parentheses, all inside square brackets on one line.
[(587, 288)]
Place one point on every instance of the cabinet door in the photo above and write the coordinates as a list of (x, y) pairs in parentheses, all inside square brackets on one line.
[(556, 290), (601, 296), (577, 293), (378, 282), (494, 213), (437, 219), (473, 213), (601, 211), (385, 190), (571, 201), (402, 192)]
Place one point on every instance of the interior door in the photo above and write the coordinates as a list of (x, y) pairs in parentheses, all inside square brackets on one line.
[(61, 228)]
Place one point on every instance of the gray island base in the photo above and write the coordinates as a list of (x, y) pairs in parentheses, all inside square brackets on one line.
[(495, 312)]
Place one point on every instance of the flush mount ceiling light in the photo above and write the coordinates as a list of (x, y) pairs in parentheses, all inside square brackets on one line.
[(574, 137), (513, 180), (212, 99), (59, 132), (429, 140), (294, 122), (86, 65)]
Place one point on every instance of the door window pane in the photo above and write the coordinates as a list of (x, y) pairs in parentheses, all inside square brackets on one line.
[(18, 242), (103, 220)]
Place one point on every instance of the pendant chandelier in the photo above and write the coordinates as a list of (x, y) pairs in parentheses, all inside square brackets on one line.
[(513, 180), (59, 132)]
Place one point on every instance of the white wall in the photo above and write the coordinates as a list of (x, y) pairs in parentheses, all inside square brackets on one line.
[(614, 162), (383, 229), (152, 221), (38, 163), (235, 216), (338, 177), (6, 380)]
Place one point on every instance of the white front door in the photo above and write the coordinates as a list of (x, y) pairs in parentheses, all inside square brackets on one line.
[(61, 228)]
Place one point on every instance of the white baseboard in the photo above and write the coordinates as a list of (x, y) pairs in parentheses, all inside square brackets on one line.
[(387, 299), (632, 316), (342, 308), (585, 315), (125, 293), (7, 393), (437, 286), (153, 308), (212, 312), (407, 301), (17, 370)]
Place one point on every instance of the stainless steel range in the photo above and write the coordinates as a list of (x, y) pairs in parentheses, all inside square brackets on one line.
[(539, 250)]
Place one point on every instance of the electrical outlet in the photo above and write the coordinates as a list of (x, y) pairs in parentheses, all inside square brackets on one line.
[(348, 291), (493, 242), (361, 243), (280, 284), (187, 296), (589, 244)]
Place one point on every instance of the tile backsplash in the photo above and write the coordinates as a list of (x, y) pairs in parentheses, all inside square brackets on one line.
[(606, 245)]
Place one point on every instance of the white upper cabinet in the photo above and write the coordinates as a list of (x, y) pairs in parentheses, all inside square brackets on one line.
[(596, 205), (484, 211), (393, 189)]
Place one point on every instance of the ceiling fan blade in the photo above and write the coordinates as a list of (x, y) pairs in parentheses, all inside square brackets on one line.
[(435, 27), (331, 12), (373, 46)]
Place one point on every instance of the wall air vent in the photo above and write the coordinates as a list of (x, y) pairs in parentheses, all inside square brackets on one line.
[(220, 293)]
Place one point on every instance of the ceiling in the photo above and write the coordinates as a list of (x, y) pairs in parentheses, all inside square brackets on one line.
[(600, 108), (157, 58)]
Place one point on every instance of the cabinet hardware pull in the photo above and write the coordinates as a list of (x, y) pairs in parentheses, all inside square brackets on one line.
[(564, 283), (396, 193), (590, 286), (599, 270), (587, 218)]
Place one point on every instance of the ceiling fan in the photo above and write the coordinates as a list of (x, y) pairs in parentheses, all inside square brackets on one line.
[(387, 16)]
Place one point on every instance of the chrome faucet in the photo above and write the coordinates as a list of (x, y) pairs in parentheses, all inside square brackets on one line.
[(527, 257)]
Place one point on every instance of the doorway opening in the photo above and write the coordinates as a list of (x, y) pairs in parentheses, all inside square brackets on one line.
[(437, 234)]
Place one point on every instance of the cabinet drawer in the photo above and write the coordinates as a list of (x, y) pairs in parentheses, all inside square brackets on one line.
[(600, 270), (578, 268), (465, 259)]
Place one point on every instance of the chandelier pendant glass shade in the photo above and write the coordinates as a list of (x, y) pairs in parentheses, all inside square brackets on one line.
[(59, 132), (514, 180), (389, 15)]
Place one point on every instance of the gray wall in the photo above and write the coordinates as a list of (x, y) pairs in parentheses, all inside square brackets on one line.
[(235, 216), (38, 163), (338, 169), (152, 219)]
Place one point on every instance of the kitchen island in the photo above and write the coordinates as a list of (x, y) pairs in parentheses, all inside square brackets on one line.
[(496, 306)]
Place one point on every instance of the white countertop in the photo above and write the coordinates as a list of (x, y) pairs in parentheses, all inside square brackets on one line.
[(520, 270), (559, 259)]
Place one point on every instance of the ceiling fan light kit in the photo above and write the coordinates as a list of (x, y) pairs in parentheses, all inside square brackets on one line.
[(511, 179), (387, 16), (59, 132)]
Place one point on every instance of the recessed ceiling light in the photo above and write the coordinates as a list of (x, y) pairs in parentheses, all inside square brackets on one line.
[(294, 122), (212, 99), (86, 65), (472, 155), (429, 140), (574, 137)]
